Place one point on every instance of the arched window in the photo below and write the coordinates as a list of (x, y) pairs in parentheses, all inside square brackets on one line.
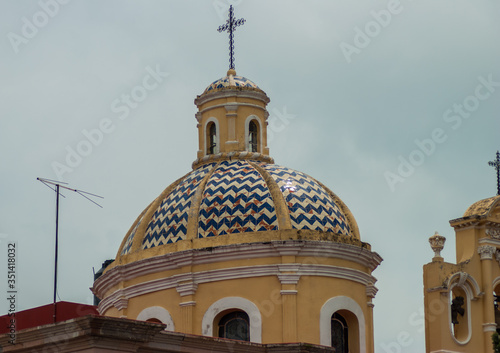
[(235, 325), (253, 139), (340, 335), (354, 319), (158, 315), (211, 138), (218, 310), (462, 289)]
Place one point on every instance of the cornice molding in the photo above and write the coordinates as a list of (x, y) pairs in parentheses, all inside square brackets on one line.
[(236, 273), (228, 156), (226, 93), (287, 249), (289, 267), (236, 104), (464, 223), (192, 257), (478, 222)]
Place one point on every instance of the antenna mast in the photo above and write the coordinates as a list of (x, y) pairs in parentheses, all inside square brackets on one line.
[(56, 186)]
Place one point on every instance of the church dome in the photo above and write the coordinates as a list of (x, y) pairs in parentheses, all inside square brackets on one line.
[(482, 207), (231, 81), (238, 196), (241, 247)]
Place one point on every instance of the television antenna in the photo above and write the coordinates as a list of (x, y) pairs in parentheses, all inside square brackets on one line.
[(56, 186)]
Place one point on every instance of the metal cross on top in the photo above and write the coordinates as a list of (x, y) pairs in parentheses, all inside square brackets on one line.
[(496, 165), (230, 27)]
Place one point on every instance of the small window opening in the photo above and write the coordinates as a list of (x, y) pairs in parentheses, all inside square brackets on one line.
[(340, 334), (252, 137), (235, 325), (212, 138)]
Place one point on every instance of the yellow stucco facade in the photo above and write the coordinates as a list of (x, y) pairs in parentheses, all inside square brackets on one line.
[(288, 290), (241, 234), (461, 310)]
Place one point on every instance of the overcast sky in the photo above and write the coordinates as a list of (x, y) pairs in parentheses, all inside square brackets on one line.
[(392, 105)]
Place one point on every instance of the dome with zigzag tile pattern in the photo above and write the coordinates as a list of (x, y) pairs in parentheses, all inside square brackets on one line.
[(231, 81), (235, 194), (237, 197)]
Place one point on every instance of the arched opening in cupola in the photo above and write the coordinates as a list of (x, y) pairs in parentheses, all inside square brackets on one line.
[(211, 138), (253, 136)]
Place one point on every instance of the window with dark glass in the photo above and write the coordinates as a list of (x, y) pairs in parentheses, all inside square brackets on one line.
[(235, 325), (211, 138), (339, 334), (252, 136)]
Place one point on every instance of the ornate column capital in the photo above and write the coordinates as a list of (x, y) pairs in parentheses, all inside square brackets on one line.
[(486, 252)]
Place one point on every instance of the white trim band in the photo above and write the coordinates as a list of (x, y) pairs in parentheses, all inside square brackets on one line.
[(236, 273), (192, 257)]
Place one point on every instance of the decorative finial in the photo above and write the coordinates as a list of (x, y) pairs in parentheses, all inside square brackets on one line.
[(437, 244), (230, 27), (496, 164)]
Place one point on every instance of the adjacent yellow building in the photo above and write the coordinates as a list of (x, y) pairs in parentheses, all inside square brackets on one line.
[(243, 248), (461, 303)]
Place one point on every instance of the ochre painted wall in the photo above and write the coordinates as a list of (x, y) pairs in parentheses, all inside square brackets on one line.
[(475, 276)]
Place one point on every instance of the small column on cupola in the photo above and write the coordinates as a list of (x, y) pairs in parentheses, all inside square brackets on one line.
[(231, 115)]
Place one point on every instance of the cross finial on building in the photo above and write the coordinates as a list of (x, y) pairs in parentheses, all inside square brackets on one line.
[(230, 27), (496, 165)]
